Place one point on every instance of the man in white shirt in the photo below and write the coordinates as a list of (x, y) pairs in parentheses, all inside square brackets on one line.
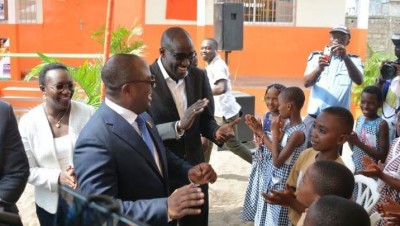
[(226, 107)]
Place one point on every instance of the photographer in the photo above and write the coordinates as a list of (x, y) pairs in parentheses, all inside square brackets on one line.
[(330, 76), (389, 82)]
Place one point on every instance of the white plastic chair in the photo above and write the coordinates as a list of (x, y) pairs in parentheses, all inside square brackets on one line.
[(370, 195)]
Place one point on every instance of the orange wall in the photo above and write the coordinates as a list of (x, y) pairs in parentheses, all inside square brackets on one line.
[(66, 28), (269, 51)]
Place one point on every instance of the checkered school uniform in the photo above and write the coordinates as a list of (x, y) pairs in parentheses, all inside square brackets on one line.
[(392, 168), (368, 133), (276, 215), (259, 167)]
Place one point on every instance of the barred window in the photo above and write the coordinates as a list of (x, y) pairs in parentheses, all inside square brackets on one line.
[(267, 11), (21, 11)]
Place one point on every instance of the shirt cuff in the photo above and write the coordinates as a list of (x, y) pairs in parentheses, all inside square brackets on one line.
[(178, 133)]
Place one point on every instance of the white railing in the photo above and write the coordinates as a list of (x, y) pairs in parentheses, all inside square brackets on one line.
[(54, 55)]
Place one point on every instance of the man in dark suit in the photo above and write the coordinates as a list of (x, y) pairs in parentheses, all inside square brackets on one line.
[(112, 158), (182, 107), (14, 166)]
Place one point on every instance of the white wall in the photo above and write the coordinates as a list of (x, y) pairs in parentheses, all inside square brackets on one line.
[(320, 13), (309, 13)]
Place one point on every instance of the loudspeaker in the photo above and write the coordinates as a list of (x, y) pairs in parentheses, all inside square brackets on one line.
[(228, 25), (247, 102)]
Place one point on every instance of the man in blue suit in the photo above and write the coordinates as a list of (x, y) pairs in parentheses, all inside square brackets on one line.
[(112, 158)]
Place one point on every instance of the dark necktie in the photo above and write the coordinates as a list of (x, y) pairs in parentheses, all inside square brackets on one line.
[(145, 133)]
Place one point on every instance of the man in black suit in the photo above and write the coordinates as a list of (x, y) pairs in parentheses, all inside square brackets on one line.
[(113, 157), (14, 166), (181, 107)]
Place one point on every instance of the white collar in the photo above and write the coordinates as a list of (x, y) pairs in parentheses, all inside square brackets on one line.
[(127, 114), (165, 73)]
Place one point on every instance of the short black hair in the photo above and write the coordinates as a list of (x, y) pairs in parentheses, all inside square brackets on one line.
[(173, 35), (294, 94), (213, 42), (331, 178), (277, 86), (374, 90), (49, 67), (117, 70), (336, 211), (344, 116)]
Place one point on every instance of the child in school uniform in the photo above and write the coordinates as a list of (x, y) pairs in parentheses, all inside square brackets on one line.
[(388, 174), (285, 145), (258, 165), (371, 136), (331, 130)]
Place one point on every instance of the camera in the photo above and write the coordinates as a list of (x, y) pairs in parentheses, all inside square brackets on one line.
[(327, 54), (389, 69)]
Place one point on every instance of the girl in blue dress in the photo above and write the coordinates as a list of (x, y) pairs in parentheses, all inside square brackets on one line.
[(258, 167), (371, 136), (284, 146)]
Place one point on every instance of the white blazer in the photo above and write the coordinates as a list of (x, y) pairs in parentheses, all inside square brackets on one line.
[(39, 147)]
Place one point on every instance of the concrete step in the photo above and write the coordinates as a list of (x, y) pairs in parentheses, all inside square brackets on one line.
[(22, 91), (22, 102)]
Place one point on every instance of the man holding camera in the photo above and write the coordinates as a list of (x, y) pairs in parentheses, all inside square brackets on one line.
[(389, 82), (330, 75)]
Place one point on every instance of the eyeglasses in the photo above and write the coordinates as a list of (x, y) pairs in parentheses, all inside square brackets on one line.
[(183, 56), (151, 81), (62, 87)]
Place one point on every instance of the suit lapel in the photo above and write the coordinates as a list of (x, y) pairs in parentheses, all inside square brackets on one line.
[(162, 90), (126, 132), (190, 89)]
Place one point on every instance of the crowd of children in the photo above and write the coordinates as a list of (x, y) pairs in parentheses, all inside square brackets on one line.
[(287, 177)]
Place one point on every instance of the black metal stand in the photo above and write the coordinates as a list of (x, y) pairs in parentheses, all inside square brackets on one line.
[(227, 56)]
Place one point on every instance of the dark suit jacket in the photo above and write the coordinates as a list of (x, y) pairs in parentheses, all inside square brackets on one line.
[(14, 166), (111, 158), (165, 114)]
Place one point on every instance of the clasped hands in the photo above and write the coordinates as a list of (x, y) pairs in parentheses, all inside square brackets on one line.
[(390, 211), (187, 199), (223, 133), (371, 169), (255, 125), (282, 198), (68, 177)]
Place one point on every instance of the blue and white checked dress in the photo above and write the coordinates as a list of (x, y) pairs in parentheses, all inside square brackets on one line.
[(275, 178)]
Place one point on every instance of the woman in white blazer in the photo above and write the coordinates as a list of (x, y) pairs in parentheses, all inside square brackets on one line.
[(49, 132)]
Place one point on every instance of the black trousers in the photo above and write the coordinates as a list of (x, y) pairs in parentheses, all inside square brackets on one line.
[(196, 220), (45, 218)]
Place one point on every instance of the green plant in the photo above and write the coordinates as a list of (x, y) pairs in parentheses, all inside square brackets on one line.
[(123, 40), (371, 72), (87, 75)]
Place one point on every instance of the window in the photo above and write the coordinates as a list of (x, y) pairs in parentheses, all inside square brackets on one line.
[(267, 11), (22, 11)]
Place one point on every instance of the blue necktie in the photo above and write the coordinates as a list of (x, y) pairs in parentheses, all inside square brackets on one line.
[(145, 133)]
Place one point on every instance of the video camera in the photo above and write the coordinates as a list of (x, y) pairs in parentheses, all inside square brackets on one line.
[(389, 69)]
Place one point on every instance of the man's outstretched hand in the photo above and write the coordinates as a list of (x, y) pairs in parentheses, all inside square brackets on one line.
[(226, 131)]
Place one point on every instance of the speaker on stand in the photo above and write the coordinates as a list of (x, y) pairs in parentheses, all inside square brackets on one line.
[(228, 27)]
